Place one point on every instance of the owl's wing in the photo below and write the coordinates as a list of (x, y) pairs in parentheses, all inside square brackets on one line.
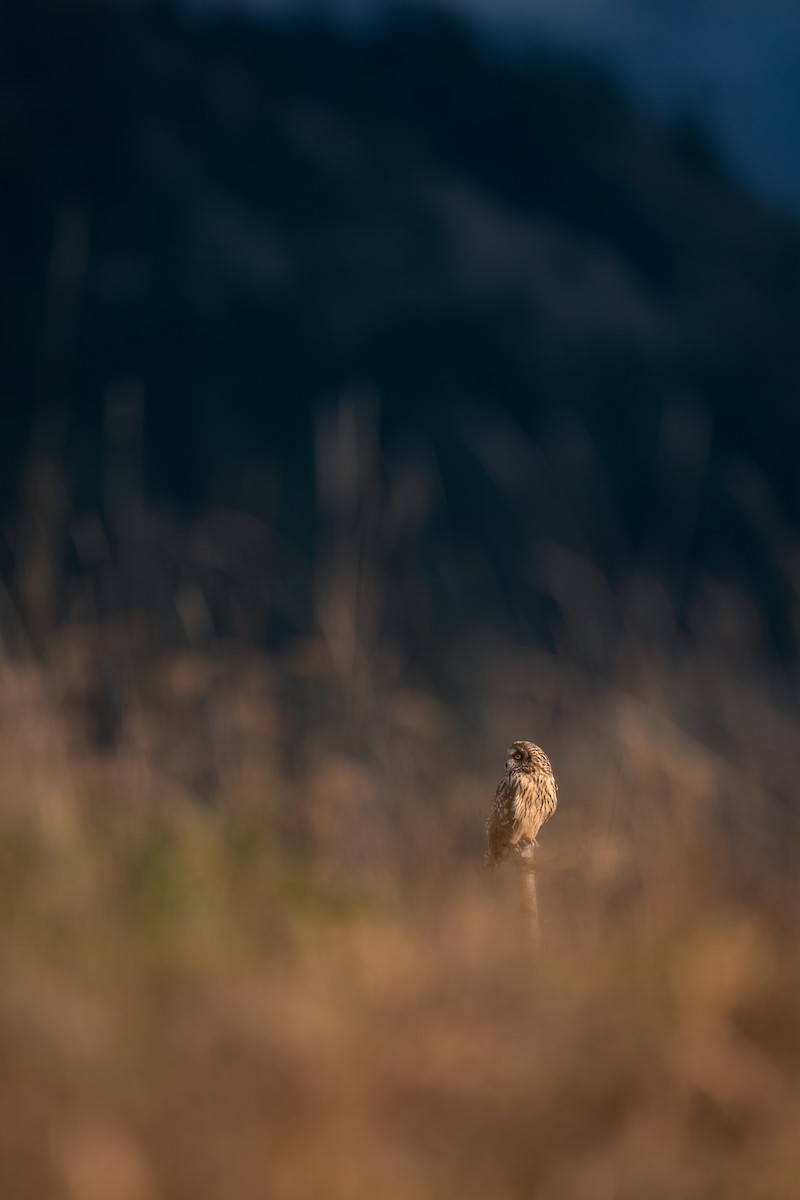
[(548, 798)]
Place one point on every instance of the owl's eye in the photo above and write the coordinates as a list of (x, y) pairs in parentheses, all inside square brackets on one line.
[(518, 756)]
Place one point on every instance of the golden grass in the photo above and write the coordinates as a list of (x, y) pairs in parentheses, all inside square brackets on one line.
[(232, 972), (182, 1019)]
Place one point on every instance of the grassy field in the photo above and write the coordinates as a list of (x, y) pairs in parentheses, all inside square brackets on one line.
[(238, 972)]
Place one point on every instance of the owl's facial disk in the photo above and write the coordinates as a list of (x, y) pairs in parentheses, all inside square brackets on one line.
[(517, 758)]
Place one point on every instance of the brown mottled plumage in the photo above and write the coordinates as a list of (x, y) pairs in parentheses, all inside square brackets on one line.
[(524, 800)]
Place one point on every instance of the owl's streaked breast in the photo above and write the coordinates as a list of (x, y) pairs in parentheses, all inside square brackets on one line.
[(526, 797)]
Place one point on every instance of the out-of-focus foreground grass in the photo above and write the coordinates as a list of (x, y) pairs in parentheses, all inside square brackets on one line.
[(239, 963)]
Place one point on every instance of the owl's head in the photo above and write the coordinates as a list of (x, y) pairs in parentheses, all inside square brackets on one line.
[(525, 758)]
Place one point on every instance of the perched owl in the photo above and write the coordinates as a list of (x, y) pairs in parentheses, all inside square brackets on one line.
[(524, 800)]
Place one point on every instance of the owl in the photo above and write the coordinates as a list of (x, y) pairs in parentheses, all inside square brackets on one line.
[(524, 800)]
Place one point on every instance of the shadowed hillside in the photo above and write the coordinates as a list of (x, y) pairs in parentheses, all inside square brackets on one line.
[(566, 320)]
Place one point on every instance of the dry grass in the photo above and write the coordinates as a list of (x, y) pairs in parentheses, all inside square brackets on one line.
[(249, 946), (230, 970)]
